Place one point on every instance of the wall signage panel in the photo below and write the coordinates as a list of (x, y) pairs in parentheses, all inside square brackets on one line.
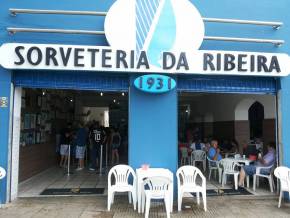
[(3, 101), (104, 58), (154, 83)]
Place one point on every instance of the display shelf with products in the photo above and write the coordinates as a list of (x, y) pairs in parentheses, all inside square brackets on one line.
[(35, 119), (43, 113)]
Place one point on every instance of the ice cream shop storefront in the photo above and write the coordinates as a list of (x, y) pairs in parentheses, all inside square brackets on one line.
[(162, 72)]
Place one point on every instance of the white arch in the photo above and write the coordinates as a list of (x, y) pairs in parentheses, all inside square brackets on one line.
[(268, 102), (242, 108)]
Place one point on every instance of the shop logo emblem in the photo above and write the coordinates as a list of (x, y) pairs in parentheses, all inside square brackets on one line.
[(154, 26), (3, 102)]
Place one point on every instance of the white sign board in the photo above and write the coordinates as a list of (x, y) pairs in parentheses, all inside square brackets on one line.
[(103, 58)]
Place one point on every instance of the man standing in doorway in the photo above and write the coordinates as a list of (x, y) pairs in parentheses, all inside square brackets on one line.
[(97, 138), (81, 140), (64, 145), (116, 142)]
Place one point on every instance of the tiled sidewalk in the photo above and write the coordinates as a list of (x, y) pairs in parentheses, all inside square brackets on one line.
[(85, 207), (57, 178)]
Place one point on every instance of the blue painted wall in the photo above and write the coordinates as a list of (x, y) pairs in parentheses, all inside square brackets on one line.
[(53, 21), (285, 109), (42, 21), (239, 9), (152, 128)]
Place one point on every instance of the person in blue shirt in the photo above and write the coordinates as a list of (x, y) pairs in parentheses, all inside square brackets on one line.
[(197, 145), (265, 161), (81, 140), (214, 151)]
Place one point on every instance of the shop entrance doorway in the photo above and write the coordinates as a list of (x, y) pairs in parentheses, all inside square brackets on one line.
[(51, 118), (235, 121)]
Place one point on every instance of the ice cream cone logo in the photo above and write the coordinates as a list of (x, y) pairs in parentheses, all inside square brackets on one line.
[(154, 26)]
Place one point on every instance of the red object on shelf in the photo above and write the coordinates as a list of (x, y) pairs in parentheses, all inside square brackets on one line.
[(253, 157), (182, 145)]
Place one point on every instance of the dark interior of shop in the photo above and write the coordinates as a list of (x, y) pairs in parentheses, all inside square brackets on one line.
[(226, 117), (46, 112)]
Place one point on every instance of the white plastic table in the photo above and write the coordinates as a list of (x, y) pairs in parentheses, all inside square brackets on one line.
[(142, 174), (245, 161)]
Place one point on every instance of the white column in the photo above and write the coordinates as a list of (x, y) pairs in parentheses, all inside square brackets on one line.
[(15, 143)]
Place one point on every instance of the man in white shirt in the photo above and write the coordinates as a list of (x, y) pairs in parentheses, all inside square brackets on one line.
[(198, 145)]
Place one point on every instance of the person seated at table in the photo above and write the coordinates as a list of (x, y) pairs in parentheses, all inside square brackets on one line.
[(259, 144), (231, 149), (265, 161), (196, 134), (182, 144), (197, 145), (234, 146), (250, 151), (224, 145), (189, 135), (214, 151), (206, 142), (230, 146)]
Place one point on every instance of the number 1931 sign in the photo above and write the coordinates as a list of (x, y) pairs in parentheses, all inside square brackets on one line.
[(154, 83)]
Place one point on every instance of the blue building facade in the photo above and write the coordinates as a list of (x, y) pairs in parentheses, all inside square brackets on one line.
[(153, 125)]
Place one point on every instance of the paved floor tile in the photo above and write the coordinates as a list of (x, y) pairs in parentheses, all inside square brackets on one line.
[(92, 207)]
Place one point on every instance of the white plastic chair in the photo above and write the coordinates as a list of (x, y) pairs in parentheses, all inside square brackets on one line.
[(198, 156), (229, 168), (158, 189), (237, 156), (186, 183), (2, 173), (184, 156), (268, 176), (232, 154), (283, 174), (121, 173), (214, 165), (151, 172)]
